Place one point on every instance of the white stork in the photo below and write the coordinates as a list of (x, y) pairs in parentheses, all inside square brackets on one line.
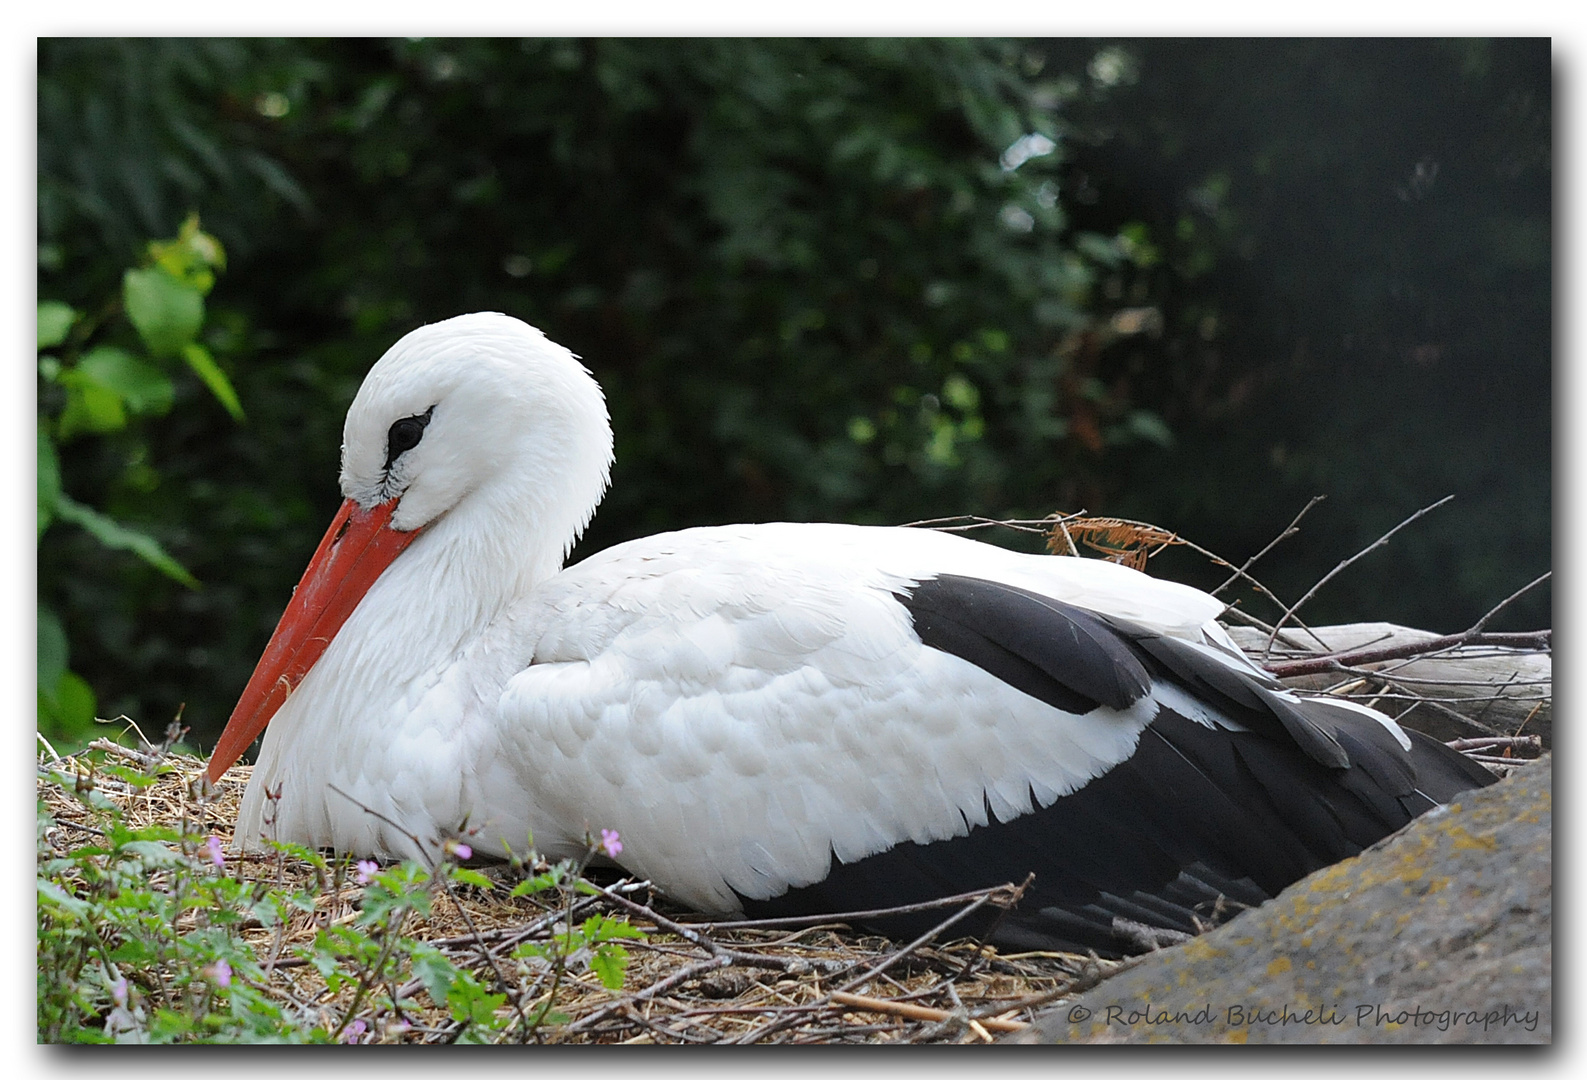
[(776, 718)]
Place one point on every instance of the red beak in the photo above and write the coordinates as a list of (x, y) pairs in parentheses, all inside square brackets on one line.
[(357, 548)]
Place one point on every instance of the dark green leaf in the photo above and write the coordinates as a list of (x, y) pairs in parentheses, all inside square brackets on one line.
[(609, 963), (538, 883), (52, 648), (144, 387), (166, 311), (115, 535), (1148, 426), (194, 255), (606, 928), (51, 893), (55, 322), (471, 1002), (49, 479), (68, 710), (464, 876), (153, 853), (435, 971), (90, 407), (204, 366)]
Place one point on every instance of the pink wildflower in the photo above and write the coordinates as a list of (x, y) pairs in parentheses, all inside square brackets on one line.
[(355, 1031), (365, 869), (214, 846), (611, 843), (459, 849), (220, 971), (118, 991)]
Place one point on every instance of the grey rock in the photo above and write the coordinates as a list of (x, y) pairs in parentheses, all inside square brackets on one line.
[(1441, 933)]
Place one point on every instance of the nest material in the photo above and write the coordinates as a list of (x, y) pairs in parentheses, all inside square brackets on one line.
[(728, 985)]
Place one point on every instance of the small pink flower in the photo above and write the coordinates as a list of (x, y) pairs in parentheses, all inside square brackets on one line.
[(214, 846), (118, 991), (220, 971), (355, 1031), (611, 843), (365, 869), (459, 849)]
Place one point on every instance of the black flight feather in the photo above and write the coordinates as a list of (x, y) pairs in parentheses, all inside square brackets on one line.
[(1197, 823)]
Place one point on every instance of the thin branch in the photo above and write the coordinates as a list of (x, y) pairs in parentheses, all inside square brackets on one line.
[(1240, 615), (1003, 1008), (921, 1012), (1379, 542), (1219, 560), (1369, 674), (777, 963), (484, 949), (366, 808), (506, 936), (1062, 524), (970, 522), (1491, 759), (59, 821), (1289, 530), (138, 757), (1502, 604), (1535, 710), (1532, 743), (1418, 698), (672, 1033), (1012, 896), (848, 916), (1423, 702), (692, 972), (1286, 669)]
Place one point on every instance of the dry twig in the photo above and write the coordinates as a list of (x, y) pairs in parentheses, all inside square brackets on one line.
[(1379, 542)]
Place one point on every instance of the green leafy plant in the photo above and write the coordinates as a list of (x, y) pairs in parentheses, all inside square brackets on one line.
[(596, 940), (140, 934), (94, 381), (137, 930)]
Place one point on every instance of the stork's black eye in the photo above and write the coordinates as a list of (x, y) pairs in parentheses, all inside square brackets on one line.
[(405, 434)]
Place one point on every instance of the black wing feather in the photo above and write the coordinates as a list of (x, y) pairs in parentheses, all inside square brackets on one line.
[(1057, 653), (1198, 820)]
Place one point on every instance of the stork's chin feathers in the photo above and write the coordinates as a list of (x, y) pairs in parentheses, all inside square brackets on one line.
[(777, 718)]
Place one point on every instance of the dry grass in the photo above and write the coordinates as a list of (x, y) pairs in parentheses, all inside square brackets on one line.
[(731, 985)]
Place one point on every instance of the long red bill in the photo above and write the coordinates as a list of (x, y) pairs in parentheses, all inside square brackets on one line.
[(357, 548)]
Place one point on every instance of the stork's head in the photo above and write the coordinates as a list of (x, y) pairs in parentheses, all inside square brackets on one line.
[(479, 426), (467, 403)]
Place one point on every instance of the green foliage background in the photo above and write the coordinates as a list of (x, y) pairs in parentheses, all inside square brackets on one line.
[(1191, 282)]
